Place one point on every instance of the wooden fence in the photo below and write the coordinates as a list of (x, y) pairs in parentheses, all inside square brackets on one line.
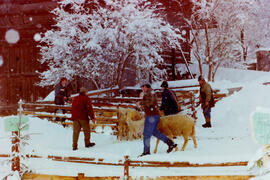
[(126, 163), (106, 108), (106, 111)]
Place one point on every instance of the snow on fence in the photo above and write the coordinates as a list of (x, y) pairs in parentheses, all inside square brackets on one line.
[(106, 104)]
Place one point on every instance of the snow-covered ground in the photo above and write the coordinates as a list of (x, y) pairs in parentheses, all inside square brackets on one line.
[(229, 140)]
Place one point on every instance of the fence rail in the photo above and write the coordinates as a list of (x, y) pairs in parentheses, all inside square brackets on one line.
[(126, 163), (106, 108)]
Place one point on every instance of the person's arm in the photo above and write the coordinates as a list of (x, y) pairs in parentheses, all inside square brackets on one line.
[(162, 107), (57, 90), (208, 92), (147, 101), (90, 110)]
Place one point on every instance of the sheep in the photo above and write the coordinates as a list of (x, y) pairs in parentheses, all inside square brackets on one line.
[(109, 114), (135, 126), (177, 125), (122, 124), (133, 121), (172, 126)]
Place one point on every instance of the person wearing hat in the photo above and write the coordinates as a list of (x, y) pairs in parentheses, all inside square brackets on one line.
[(81, 110), (150, 106), (206, 100), (169, 102)]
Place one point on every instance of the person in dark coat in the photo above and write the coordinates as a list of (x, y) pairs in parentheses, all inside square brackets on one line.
[(61, 96), (81, 110), (150, 107), (168, 103), (206, 100)]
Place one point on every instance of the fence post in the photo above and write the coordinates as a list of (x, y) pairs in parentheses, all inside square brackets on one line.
[(15, 142), (80, 176), (192, 100), (126, 167), (15, 152)]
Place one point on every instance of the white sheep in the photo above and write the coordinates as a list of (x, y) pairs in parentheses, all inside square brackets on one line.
[(130, 124), (122, 124), (177, 125)]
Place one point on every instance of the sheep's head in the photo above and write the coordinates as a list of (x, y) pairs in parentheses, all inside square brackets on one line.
[(134, 115), (122, 114)]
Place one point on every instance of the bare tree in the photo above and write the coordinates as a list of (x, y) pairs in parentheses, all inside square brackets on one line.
[(217, 30)]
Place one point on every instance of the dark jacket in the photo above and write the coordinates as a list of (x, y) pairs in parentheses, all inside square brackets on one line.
[(60, 93), (82, 108), (206, 95), (168, 104), (149, 103)]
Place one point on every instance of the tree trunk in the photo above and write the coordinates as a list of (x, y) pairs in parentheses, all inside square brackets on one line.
[(118, 71), (208, 53), (173, 65), (122, 71), (196, 53), (244, 49), (199, 62)]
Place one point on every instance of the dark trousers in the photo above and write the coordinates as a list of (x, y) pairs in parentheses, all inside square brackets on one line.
[(150, 128), (77, 125), (207, 113)]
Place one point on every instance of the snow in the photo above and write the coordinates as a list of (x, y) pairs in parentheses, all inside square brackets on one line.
[(1, 60), (229, 140), (37, 37), (12, 36)]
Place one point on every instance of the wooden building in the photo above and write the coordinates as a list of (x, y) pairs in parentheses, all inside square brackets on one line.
[(18, 70), (18, 60)]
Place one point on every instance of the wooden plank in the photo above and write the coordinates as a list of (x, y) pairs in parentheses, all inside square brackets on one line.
[(116, 99), (232, 90), (46, 177), (224, 177), (98, 118), (4, 155), (68, 107), (45, 115), (183, 164), (220, 95), (113, 126), (57, 177)]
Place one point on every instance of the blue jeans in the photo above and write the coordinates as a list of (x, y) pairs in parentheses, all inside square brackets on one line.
[(207, 112), (150, 128)]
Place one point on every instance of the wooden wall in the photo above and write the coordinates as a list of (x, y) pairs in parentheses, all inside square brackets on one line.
[(18, 73)]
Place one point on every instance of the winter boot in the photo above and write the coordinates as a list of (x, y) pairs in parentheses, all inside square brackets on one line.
[(144, 154), (207, 124), (90, 145), (171, 145)]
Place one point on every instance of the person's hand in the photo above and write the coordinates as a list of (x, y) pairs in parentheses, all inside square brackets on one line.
[(94, 120), (161, 112)]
